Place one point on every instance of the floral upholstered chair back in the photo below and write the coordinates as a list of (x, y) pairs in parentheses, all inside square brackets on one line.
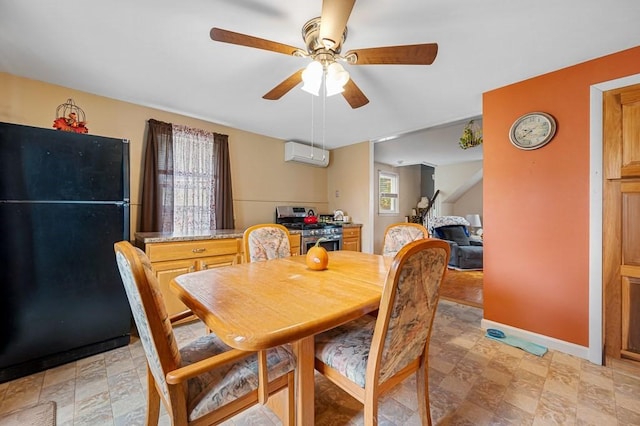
[(149, 313), (398, 235), (408, 307), (266, 241)]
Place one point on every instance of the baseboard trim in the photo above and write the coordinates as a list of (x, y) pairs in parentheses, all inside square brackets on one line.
[(549, 342)]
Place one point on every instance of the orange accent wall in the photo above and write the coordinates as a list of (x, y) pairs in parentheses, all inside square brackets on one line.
[(536, 203)]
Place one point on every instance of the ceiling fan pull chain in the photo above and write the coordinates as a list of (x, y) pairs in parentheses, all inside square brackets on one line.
[(324, 114), (312, 124)]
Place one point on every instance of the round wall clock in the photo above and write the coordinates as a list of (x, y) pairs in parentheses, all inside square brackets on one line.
[(532, 130)]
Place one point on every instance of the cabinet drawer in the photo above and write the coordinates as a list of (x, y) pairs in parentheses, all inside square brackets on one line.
[(191, 249), (350, 232)]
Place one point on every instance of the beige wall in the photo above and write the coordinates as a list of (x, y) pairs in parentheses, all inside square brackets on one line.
[(470, 202), (261, 179), (454, 181), (409, 196), (348, 186)]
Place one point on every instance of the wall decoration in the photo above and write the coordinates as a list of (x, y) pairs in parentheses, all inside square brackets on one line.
[(70, 118), (532, 130), (471, 135)]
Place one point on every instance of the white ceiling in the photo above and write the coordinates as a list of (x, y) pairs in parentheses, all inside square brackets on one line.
[(435, 146), (158, 53)]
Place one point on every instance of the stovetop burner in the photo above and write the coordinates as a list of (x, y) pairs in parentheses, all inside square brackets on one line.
[(302, 225), (293, 218)]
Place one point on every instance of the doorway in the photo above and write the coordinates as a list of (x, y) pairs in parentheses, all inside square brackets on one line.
[(621, 222)]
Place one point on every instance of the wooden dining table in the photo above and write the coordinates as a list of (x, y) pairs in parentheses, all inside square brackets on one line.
[(259, 305)]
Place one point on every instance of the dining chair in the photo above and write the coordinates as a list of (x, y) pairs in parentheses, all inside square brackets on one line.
[(266, 241), (367, 357), (398, 234), (203, 382)]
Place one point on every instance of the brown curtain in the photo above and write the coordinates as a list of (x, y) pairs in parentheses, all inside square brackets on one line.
[(223, 194), (157, 182)]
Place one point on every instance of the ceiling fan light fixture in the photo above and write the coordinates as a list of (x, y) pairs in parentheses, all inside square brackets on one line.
[(311, 88), (337, 73), (312, 78), (336, 79), (324, 37), (333, 88)]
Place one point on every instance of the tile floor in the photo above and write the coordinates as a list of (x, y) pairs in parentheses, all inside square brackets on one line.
[(473, 381)]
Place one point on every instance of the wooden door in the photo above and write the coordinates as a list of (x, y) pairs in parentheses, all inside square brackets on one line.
[(621, 222)]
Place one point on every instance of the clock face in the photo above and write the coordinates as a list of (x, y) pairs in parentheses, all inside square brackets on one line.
[(532, 130)]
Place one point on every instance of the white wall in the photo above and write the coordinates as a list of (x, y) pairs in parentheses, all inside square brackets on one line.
[(458, 184), (470, 202), (409, 195)]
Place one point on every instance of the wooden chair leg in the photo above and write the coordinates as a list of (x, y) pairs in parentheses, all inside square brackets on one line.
[(263, 378), (370, 407), (153, 401), (291, 399), (422, 383)]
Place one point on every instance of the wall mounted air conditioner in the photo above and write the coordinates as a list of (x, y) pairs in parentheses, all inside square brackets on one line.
[(301, 153)]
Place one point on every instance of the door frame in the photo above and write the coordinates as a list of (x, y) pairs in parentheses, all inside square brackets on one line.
[(596, 346)]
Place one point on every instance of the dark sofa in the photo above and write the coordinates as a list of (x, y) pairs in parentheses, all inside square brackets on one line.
[(466, 253)]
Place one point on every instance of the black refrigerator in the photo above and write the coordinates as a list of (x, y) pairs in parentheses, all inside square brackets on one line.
[(64, 201)]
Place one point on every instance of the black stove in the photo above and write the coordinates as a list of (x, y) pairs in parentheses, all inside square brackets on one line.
[(293, 218), (315, 228)]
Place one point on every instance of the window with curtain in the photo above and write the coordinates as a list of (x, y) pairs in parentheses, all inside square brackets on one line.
[(387, 193), (187, 180), (193, 180)]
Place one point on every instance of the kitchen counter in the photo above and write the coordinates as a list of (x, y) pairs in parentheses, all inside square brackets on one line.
[(213, 234), (352, 225), (344, 225)]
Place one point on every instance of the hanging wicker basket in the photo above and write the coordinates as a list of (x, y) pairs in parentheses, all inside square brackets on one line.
[(471, 135)]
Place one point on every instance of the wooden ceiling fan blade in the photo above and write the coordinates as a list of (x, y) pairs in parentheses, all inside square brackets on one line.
[(411, 54), (354, 95), (333, 21), (226, 36), (281, 89)]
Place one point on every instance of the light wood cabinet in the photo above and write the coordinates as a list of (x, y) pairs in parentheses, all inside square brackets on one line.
[(351, 238), (165, 272), (172, 258), (294, 242)]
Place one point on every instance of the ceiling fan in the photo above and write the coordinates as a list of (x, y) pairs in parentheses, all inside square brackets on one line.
[(323, 37)]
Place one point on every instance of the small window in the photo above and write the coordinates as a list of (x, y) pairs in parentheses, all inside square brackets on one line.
[(388, 193)]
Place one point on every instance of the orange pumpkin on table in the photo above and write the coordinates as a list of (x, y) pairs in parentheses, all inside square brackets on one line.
[(317, 257)]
